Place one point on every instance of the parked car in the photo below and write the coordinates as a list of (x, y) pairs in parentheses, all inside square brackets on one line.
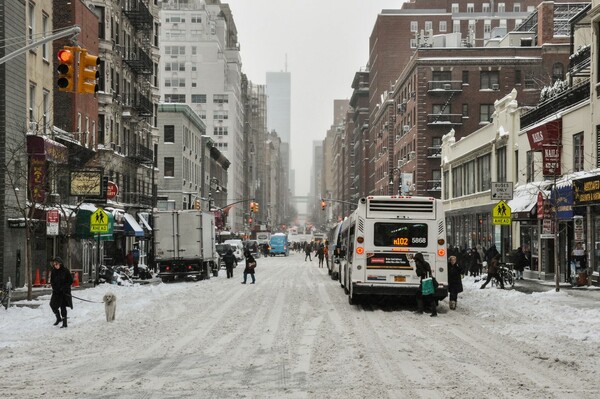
[(238, 248)]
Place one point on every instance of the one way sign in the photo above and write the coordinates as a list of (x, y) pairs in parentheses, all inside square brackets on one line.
[(502, 191)]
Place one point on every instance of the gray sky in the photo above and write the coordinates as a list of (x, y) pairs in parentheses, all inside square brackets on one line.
[(326, 42)]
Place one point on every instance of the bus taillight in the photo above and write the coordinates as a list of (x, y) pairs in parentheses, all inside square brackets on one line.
[(441, 241), (360, 250), (441, 252), (360, 239)]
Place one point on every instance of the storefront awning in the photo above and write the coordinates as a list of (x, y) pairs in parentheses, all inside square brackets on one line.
[(523, 204), (132, 228), (143, 216)]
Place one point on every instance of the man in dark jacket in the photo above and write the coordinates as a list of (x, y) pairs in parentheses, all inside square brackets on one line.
[(520, 260), (454, 281), (250, 266), (229, 259), (493, 269), (61, 281), (423, 270)]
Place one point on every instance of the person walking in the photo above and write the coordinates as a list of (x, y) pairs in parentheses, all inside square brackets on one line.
[(520, 262), (423, 270), (229, 259), (326, 253), (454, 281), (60, 280), (321, 254), (307, 251), (250, 266), (493, 269)]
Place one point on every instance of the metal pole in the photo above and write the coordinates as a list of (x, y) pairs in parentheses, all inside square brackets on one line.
[(591, 251), (73, 30)]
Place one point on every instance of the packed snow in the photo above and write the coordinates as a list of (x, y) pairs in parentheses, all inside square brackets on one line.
[(294, 335)]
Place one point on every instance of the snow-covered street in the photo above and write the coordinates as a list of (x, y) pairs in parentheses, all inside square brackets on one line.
[(294, 335)]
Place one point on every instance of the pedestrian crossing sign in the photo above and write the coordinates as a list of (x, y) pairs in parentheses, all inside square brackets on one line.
[(99, 221), (501, 213)]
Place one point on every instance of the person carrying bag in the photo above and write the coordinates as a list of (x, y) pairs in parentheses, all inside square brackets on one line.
[(426, 291)]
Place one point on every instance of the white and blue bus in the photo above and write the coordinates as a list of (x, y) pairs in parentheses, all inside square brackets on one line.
[(380, 239)]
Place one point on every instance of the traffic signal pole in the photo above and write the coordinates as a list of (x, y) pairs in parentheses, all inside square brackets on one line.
[(74, 30)]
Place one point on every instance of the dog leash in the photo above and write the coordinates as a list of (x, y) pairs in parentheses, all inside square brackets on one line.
[(85, 300)]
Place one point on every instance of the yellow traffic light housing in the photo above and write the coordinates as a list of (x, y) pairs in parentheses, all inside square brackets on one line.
[(256, 207), (252, 206), (67, 61), (88, 73), (197, 204)]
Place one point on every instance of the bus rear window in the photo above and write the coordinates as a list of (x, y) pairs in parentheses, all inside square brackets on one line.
[(400, 235)]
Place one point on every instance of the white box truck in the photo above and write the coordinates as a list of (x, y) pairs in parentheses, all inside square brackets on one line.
[(184, 244)]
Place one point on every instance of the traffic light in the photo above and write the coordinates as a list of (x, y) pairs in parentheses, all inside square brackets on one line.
[(67, 60), (256, 207), (88, 73), (196, 204), (323, 204), (249, 220)]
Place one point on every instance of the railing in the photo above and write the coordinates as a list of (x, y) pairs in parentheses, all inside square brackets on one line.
[(444, 86), (444, 119), (434, 152), (139, 62), (139, 15), (139, 103), (434, 185), (561, 101), (140, 153)]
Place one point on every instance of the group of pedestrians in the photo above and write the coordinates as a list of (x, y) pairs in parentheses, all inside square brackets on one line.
[(230, 261)]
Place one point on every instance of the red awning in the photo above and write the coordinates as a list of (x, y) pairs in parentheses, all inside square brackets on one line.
[(52, 150)]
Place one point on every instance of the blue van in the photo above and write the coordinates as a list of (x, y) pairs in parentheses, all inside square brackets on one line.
[(279, 244)]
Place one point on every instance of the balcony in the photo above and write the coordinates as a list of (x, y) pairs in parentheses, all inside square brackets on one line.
[(139, 62), (444, 86), (142, 200), (139, 15), (140, 154), (139, 103), (434, 185), (434, 152), (444, 119), (566, 99), (580, 63)]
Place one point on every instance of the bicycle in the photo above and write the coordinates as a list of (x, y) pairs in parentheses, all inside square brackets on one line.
[(506, 274), (6, 294)]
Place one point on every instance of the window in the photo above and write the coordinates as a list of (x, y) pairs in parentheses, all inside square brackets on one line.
[(196, 19), (198, 98), (443, 27), (530, 166), (175, 50), (501, 7), (489, 80), (517, 7), (428, 25), (558, 72), (517, 77), (46, 104), (529, 80), (487, 27), (465, 110), (457, 183), (455, 8), (220, 99), (486, 112), (31, 102), (220, 115), (469, 171), (484, 175), (175, 98), (438, 76), (501, 165), (470, 7), (45, 20), (414, 26), (175, 82), (485, 8), (456, 26), (31, 18), (465, 77), (471, 27), (578, 152), (446, 184), (175, 66), (169, 132), (169, 167), (413, 43), (440, 109), (220, 131)]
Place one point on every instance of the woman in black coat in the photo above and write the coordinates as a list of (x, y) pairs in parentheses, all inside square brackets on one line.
[(60, 280), (250, 266), (454, 281), (423, 270)]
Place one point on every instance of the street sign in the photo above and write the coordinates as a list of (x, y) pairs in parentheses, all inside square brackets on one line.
[(99, 221), (502, 191), (501, 213), (52, 220)]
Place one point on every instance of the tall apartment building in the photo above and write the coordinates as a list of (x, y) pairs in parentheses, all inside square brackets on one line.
[(201, 66), (418, 26)]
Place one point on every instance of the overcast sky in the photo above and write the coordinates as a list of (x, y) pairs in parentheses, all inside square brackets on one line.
[(326, 42)]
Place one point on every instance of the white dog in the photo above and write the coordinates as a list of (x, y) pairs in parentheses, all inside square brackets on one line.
[(110, 305)]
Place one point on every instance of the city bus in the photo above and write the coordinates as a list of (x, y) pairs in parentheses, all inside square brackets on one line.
[(379, 240)]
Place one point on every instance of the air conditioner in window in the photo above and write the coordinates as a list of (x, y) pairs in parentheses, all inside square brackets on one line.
[(495, 86), (397, 137), (447, 86), (401, 163), (412, 155), (405, 128)]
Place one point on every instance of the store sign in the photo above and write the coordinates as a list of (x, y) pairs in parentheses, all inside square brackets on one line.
[(578, 228), (546, 134), (548, 227), (563, 198), (540, 206), (112, 190), (551, 160), (37, 178), (52, 220), (586, 191)]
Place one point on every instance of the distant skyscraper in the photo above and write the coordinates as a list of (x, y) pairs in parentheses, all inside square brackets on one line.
[(279, 98)]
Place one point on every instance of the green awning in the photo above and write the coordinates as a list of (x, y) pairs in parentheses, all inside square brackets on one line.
[(82, 225)]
